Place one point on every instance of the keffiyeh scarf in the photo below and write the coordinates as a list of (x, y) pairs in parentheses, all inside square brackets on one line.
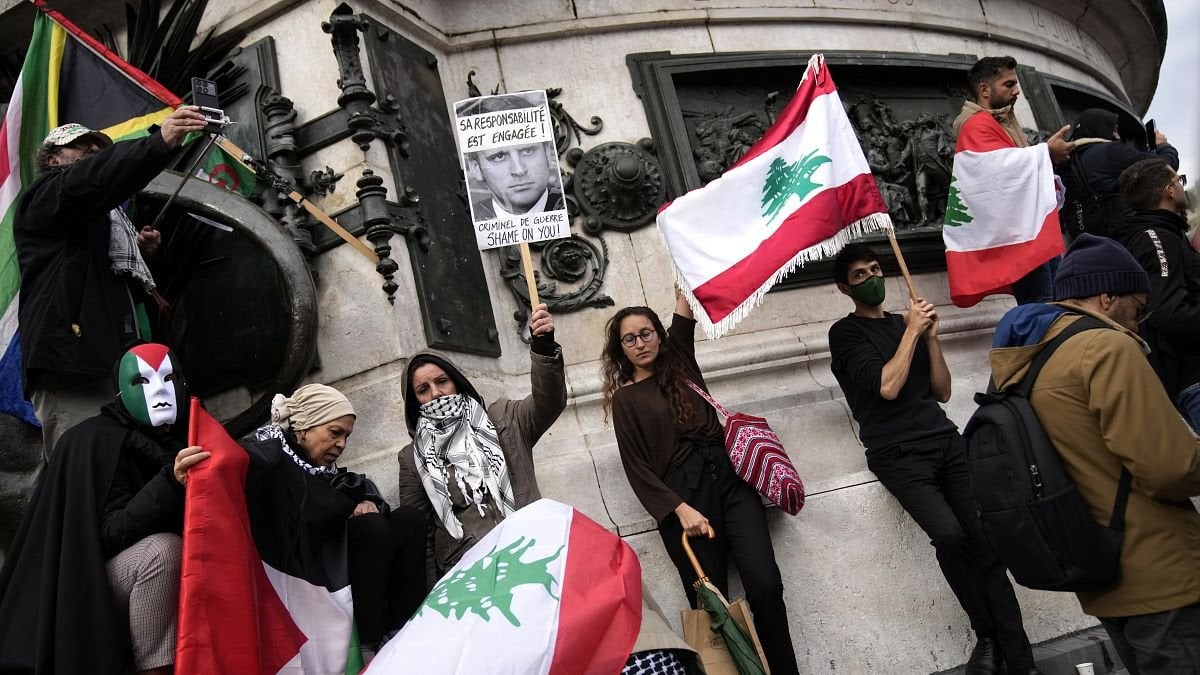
[(275, 432), (1006, 117), (123, 252), (455, 431)]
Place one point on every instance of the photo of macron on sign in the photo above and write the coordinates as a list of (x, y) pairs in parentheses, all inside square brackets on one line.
[(511, 166)]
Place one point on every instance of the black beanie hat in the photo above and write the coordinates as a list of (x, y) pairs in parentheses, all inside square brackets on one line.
[(1095, 265)]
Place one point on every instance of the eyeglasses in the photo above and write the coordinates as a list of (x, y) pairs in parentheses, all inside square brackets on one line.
[(1182, 178), (646, 335), (1142, 314)]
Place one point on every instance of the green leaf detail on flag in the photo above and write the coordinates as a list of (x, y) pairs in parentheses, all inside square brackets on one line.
[(956, 210), (785, 180), (489, 583)]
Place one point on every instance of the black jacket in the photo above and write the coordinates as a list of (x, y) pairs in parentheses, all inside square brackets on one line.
[(1103, 163), (1158, 240), (56, 607), (61, 232)]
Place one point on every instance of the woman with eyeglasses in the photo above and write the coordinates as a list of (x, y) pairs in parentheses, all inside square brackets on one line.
[(673, 449)]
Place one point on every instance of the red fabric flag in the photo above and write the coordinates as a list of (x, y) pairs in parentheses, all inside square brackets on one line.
[(230, 618)]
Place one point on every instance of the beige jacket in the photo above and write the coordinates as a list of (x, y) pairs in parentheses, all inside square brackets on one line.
[(1103, 408)]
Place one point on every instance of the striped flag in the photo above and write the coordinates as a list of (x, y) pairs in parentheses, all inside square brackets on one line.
[(259, 594), (1001, 220), (799, 194), (67, 77), (548, 590)]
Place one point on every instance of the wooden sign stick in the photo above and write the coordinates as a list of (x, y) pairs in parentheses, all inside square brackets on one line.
[(527, 265), (912, 290)]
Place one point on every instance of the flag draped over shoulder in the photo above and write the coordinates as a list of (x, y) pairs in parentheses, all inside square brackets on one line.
[(256, 595), (548, 590), (67, 77), (1001, 220), (799, 194)]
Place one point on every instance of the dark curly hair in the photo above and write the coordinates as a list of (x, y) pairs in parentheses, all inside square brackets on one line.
[(670, 365)]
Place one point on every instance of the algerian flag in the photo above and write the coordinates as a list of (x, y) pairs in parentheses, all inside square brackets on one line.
[(1001, 220), (799, 194), (547, 591), (223, 171)]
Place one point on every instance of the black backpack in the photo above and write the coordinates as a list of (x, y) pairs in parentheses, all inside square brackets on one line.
[(1029, 508), (1085, 210)]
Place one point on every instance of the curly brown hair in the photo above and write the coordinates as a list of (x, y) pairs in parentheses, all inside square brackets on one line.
[(670, 365)]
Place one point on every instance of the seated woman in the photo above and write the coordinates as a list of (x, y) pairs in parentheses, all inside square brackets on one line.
[(94, 567), (386, 547), (469, 466), (673, 450)]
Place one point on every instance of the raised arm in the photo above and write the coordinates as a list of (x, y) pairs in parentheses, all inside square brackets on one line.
[(99, 183), (538, 411)]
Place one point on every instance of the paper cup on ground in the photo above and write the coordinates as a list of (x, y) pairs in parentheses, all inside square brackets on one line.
[(1085, 669)]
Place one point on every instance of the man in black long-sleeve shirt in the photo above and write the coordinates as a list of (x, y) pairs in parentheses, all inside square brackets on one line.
[(893, 374), (82, 271)]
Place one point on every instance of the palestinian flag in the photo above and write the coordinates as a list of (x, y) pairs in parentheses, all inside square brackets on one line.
[(68, 77), (547, 591), (1001, 220), (799, 194), (251, 600)]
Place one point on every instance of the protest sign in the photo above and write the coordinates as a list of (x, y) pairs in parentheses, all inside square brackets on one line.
[(511, 167)]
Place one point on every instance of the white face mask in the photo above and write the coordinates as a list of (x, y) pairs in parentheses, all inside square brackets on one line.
[(150, 393)]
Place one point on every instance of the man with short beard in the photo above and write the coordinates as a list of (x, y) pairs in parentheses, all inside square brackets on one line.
[(990, 123), (1156, 234), (1107, 415)]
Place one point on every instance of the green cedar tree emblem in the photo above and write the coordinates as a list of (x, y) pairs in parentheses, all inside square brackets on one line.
[(956, 210), (785, 180), (489, 583)]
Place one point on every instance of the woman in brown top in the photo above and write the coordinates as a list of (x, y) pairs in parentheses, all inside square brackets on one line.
[(673, 450)]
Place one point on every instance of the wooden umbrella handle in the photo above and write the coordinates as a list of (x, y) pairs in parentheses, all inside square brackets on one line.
[(687, 548)]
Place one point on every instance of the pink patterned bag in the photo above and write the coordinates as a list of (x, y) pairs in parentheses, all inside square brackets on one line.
[(758, 457)]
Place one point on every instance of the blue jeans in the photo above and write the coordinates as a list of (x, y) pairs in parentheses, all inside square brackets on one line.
[(1188, 402)]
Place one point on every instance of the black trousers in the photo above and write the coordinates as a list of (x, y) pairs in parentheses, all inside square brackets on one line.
[(706, 481), (1163, 643), (387, 570), (929, 478)]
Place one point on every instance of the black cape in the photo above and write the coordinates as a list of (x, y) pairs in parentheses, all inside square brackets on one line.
[(56, 606)]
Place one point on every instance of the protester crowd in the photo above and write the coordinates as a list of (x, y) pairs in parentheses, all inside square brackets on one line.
[(1118, 397)]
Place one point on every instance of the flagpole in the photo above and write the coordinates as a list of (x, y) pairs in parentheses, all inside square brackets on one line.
[(912, 289), (527, 266)]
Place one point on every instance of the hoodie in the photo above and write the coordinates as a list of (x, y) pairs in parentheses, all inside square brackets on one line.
[(519, 425), (1158, 241), (1103, 407)]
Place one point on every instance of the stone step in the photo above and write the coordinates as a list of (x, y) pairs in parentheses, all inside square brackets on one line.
[(1060, 655)]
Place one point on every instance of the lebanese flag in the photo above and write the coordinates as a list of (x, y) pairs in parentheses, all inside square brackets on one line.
[(238, 613), (799, 194), (1001, 220), (548, 590)]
